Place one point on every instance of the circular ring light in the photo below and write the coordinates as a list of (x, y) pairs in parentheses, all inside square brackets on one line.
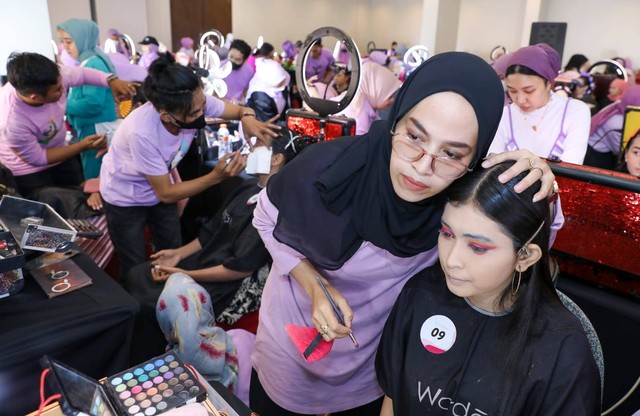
[(371, 46), (612, 67), (131, 44), (205, 38), (497, 52), (319, 105), (415, 56)]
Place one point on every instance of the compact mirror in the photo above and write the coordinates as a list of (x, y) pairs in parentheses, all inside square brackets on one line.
[(328, 36)]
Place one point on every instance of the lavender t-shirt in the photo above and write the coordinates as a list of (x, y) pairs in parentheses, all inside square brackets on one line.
[(318, 66), (143, 147), (26, 132), (238, 81)]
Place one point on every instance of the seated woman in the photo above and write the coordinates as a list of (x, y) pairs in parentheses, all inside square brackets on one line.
[(484, 330), (265, 93), (547, 124), (227, 251), (631, 163), (606, 131), (228, 248)]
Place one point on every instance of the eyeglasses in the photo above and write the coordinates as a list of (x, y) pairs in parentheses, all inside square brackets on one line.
[(442, 165)]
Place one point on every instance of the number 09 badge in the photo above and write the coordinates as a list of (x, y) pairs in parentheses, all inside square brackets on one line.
[(438, 333)]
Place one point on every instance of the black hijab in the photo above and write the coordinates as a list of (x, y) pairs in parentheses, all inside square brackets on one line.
[(338, 194)]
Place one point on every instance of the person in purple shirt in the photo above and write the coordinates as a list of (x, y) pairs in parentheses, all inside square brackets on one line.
[(136, 180), (362, 214), (32, 127), (150, 47), (241, 73), (319, 63)]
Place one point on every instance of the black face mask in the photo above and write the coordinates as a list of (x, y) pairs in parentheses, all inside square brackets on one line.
[(235, 66), (198, 123)]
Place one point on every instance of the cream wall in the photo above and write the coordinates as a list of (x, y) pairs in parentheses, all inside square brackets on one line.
[(292, 20), (595, 30), (599, 30), (485, 24), (137, 18)]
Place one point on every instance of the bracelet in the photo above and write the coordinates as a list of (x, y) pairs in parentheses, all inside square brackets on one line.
[(111, 77), (247, 115)]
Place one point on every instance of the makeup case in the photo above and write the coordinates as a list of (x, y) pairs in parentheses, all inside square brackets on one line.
[(35, 225)]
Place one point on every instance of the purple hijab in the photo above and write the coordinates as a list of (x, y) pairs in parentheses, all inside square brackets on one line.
[(630, 97), (541, 58)]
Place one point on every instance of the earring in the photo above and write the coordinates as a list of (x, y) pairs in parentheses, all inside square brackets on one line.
[(513, 292)]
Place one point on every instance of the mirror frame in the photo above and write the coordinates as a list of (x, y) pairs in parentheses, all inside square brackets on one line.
[(319, 105)]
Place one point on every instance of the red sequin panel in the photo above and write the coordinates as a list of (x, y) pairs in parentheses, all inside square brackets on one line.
[(311, 126), (602, 224)]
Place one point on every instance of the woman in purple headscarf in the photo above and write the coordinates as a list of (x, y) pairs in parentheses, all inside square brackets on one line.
[(547, 124), (606, 130), (114, 43)]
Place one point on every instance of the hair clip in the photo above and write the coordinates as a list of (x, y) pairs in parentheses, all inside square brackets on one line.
[(291, 142), (523, 250)]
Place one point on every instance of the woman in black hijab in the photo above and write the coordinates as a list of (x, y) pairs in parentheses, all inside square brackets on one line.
[(362, 214)]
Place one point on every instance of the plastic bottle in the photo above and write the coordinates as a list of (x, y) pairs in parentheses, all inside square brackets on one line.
[(224, 145)]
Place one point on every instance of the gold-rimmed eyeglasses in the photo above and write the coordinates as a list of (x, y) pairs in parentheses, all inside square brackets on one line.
[(442, 165)]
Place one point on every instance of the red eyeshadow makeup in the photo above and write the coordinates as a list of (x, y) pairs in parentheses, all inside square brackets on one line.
[(155, 386)]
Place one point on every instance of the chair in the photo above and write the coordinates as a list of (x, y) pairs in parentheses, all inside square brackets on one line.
[(590, 331)]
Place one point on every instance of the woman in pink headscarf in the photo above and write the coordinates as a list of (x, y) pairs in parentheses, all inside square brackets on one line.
[(606, 130), (377, 86), (547, 124)]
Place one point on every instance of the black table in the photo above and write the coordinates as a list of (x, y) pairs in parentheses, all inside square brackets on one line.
[(89, 329)]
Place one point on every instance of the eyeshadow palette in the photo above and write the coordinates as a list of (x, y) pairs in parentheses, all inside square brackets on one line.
[(155, 386)]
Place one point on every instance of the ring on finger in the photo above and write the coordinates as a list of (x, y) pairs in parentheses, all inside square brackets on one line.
[(324, 328), (534, 168), (532, 164)]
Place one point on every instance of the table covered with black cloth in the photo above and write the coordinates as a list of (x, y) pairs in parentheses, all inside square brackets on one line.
[(89, 329)]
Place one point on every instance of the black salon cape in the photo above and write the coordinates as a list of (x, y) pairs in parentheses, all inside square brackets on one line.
[(563, 380), (227, 239)]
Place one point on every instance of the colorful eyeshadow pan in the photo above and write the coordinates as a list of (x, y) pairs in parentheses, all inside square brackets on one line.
[(155, 386)]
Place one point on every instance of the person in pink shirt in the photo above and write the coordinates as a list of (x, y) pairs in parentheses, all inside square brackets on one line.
[(32, 127), (319, 62)]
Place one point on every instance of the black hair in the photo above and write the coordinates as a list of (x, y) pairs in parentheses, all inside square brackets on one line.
[(520, 218), (622, 167), (170, 86), (290, 144), (242, 46), (575, 62), (265, 50), (31, 73), (139, 98), (524, 70)]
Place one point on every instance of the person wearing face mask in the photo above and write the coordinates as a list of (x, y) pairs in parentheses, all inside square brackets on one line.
[(227, 250), (547, 124), (241, 73), (135, 177)]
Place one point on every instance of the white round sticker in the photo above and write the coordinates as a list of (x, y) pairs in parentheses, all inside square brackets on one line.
[(438, 333)]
